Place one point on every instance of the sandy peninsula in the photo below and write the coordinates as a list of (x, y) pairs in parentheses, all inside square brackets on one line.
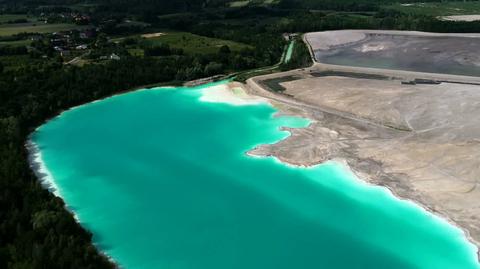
[(416, 133), (232, 93)]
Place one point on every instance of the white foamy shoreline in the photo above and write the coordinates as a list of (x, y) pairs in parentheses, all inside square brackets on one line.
[(463, 234), (46, 179), (230, 94), (40, 169), (445, 220), (363, 180)]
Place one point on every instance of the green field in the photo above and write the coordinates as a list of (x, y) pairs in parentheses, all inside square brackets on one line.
[(13, 29), (439, 9), (192, 44)]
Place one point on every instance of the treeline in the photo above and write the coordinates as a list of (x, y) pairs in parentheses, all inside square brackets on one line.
[(309, 22), (161, 50), (149, 9), (343, 5), (112, 6), (10, 50)]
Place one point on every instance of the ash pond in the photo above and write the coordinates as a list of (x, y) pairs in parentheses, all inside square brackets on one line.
[(433, 54), (162, 180)]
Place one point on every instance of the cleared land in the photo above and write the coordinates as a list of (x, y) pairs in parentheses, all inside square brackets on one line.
[(415, 133), (151, 35)]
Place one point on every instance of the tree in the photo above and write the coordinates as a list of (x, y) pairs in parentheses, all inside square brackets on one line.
[(224, 49), (213, 68), (159, 50)]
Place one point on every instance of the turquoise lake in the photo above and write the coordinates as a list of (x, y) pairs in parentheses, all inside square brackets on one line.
[(162, 180)]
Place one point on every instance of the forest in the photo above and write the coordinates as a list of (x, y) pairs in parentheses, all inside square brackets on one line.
[(36, 230)]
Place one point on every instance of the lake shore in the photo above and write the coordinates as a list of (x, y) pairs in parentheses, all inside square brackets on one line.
[(234, 94), (349, 164), (410, 137), (367, 170), (46, 179)]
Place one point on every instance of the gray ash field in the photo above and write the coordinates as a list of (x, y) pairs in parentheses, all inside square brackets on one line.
[(433, 54)]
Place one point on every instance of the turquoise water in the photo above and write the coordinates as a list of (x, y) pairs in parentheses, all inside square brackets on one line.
[(162, 181)]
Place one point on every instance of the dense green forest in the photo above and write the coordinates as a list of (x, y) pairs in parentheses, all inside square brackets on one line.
[(36, 83)]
